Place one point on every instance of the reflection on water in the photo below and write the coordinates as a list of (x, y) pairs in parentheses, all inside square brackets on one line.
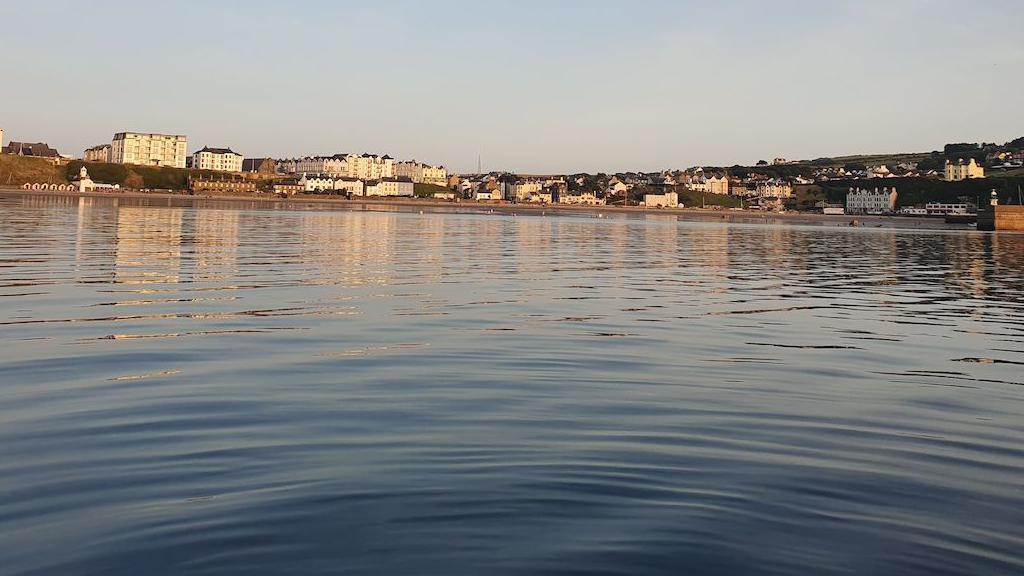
[(244, 389)]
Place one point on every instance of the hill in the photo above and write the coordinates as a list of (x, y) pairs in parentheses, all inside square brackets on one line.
[(18, 170)]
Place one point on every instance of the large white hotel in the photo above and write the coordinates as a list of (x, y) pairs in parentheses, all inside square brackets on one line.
[(148, 149)]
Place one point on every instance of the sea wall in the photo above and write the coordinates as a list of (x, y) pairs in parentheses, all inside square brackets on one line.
[(1002, 218)]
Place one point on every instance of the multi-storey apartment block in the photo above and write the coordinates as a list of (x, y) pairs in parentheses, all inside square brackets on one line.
[(148, 149), (219, 159)]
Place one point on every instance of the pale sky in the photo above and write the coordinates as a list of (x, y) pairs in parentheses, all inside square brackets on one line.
[(530, 86)]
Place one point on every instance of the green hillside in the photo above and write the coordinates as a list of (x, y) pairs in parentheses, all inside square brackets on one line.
[(18, 170)]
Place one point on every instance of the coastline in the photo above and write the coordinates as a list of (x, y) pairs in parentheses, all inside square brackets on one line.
[(411, 204)]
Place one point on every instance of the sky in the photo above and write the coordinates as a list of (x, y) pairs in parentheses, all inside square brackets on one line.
[(526, 86)]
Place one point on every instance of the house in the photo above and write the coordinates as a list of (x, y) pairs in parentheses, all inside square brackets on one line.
[(961, 170), (287, 166), (422, 173), (316, 183), (522, 190), (584, 198), (351, 186), (739, 188), (221, 184), (880, 172), (717, 184), (393, 187), (616, 187), (335, 165), (35, 149), (863, 201), (666, 200), (544, 196), (489, 195), (217, 159), (99, 153), (773, 188), (259, 165), (286, 187)]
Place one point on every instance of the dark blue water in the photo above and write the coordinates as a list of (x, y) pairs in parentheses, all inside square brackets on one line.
[(238, 391)]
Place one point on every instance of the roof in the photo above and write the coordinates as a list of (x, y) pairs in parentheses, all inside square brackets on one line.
[(254, 163), (121, 135), (218, 151), (38, 149)]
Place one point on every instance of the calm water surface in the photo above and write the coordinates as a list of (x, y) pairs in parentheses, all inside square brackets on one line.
[(229, 390)]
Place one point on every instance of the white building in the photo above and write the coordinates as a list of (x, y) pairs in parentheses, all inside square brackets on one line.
[(332, 165), (666, 200), (942, 209), (585, 198), (100, 153), (863, 201), (352, 186), (773, 189), (544, 196), (521, 191), (86, 184), (219, 159), (616, 187), (960, 170), (148, 149), (392, 187), (913, 211), (422, 173), (369, 166), (316, 183), (488, 195)]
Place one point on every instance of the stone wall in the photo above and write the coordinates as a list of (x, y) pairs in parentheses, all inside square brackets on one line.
[(1002, 218)]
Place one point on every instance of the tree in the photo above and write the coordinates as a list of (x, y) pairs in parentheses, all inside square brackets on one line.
[(934, 162), (960, 148), (762, 162)]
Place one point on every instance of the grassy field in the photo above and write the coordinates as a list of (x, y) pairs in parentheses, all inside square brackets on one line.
[(427, 190), (18, 170), (697, 200), (878, 159)]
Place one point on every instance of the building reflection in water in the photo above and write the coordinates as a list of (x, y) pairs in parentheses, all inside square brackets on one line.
[(130, 241), (215, 239), (148, 245)]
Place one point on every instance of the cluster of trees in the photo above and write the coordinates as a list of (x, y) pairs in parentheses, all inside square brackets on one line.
[(593, 183)]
